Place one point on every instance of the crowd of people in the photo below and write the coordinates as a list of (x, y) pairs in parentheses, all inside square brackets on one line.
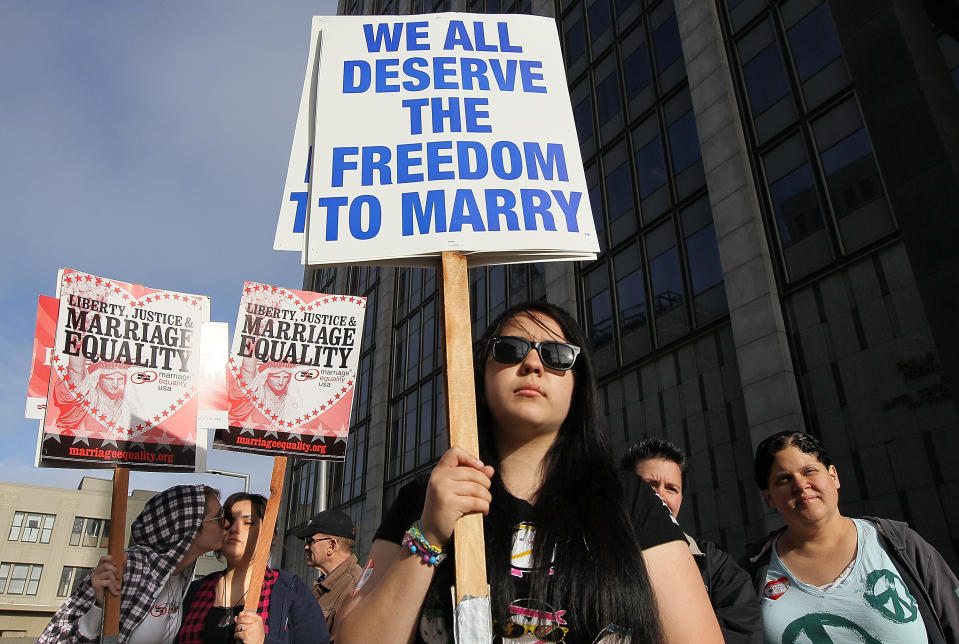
[(577, 550)]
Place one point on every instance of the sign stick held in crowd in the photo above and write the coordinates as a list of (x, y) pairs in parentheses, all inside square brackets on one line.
[(118, 520), (472, 592), (265, 538)]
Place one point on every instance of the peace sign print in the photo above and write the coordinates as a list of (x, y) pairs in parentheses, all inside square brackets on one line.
[(812, 629), (888, 595)]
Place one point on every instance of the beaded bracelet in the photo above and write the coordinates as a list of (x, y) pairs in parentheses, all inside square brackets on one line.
[(419, 546)]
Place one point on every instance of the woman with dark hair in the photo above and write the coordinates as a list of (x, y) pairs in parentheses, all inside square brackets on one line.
[(174, 528), (866, 579), (575, 551), (213, 608)]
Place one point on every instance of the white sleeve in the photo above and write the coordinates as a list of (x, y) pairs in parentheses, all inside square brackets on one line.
[(91, 622)]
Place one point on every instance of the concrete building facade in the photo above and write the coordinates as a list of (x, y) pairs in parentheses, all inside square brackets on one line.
[(54, 538), (774, 186)]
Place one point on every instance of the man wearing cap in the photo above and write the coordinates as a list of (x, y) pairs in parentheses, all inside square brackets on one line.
[(329, 548)]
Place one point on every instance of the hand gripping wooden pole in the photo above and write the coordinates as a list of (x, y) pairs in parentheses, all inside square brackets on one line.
[(110, 630), (265, 539), (461, 416)]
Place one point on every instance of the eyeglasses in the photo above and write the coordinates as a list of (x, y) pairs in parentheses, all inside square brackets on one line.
[(311, 540), (219, 518), (559, 356), (543, 632)]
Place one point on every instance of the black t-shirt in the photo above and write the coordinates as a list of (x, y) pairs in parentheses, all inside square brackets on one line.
[(651, 520)]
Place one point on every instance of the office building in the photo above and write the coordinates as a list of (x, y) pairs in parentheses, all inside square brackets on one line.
[(774, 183)]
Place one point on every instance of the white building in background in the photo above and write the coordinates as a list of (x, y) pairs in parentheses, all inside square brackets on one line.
[(50, 538)]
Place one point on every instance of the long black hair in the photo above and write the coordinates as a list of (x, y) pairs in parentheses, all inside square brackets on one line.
[(578, 512)]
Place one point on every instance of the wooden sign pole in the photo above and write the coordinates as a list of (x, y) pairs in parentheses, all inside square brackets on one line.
[(118, 520), (265, 539), (461, 416)]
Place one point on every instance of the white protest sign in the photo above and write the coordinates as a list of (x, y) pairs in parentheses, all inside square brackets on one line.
[(291, 224), (444, 132)]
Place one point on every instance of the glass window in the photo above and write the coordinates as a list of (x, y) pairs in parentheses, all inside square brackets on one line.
[(95, 533), (425, 423), (795, 202), (583, 116), (650, 169), (34, 580), (764, 75), (812, 40), (575, 38), (619, 194), (4, 576), (667, 283), (47, 530), (684, 145), (683, 141), (76, 532), (15, 526), (410, 444), (607, 97), (631, 301), (765, 79), (599, 306), (666, 42), (619, 191), (596, 204), (497, 290), (638, 75), (31, 529), (600, 23), (852, 177), (705, 268), (18, 578)]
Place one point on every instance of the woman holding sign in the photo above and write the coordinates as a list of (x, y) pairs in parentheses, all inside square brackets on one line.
[(213, 608), (575, 551), (175, 527)]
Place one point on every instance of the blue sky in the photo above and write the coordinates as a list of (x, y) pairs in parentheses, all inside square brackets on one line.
[(147, 142)]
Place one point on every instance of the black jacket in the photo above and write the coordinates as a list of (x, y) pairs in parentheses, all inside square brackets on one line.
[(922, 568), (730, 592)]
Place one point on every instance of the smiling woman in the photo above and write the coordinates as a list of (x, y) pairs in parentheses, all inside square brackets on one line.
[(871, 579)]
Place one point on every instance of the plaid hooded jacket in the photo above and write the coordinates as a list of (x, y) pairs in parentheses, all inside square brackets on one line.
[(162, 533)]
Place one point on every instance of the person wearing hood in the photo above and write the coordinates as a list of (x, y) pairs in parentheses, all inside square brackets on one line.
[(175, 528)]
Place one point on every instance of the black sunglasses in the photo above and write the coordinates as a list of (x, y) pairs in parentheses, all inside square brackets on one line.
[(558, 356)]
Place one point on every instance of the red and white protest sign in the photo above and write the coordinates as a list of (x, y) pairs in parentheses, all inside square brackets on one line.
[(292, 372), (123, 383), (42, 353)]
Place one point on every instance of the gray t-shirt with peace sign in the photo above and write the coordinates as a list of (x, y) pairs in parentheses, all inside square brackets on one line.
[(870, 605)]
